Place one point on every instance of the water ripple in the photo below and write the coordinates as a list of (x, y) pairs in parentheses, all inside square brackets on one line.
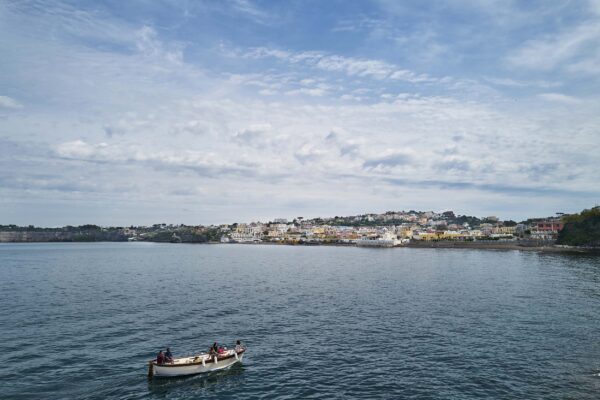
[(81, 320)]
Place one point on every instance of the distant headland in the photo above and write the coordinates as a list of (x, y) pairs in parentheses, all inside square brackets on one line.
[(574, 232)]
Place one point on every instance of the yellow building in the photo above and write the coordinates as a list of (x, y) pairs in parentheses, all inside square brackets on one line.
[(428, 236), (318, 230), (504, 230)]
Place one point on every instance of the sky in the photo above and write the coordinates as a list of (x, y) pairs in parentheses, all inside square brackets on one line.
[(206, 112)]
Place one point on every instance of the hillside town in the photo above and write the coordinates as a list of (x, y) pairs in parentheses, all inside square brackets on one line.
[(392, 228)]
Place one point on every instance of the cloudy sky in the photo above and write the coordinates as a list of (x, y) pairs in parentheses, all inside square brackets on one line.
[(120, 113)]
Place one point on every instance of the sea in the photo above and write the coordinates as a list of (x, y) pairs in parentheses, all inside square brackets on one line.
[(81, 321)]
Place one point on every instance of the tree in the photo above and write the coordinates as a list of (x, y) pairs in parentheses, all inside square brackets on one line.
[(581, 229)]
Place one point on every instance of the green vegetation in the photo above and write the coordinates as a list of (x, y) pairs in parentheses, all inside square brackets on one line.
[(581, 229), (68, 228), (371, 220)]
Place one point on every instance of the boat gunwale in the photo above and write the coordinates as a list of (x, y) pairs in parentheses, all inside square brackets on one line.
[(207, 361)]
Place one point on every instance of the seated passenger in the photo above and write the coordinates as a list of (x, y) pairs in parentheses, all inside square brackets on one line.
[(168, 356), (221, 350), (160, 358), (213, 349), (238, 346)]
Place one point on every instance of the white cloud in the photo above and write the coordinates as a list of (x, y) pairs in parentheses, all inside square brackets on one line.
[(147, 42), (559, 97), (350, 97), (268, 92), (358, 24), (404, 75), (8, 102), (352, 66), (316, 92), (509, 82), (254, 135), (251, 10), (391, 159), (80, 149)]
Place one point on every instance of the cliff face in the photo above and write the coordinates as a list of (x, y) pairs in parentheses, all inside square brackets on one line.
[(96, 234), (180, 236), (60, 236), (27, 236)]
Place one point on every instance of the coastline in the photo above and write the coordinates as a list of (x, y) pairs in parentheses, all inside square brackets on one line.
[(502, 246), (480, 245), (451, 245)]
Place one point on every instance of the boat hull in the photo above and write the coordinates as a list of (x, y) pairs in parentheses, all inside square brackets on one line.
[(198, 365)]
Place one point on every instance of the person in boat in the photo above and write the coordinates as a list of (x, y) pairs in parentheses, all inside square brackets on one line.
[(160, 358), (168, 356), (238, 346), (214, 349)]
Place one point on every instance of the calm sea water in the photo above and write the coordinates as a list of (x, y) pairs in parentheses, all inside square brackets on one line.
[(81, 320)]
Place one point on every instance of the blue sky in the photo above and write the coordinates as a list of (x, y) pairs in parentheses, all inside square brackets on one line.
[(121, 113)]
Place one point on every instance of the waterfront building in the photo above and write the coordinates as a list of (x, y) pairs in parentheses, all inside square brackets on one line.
[(549, 225), (546, 229), (247, 233), (387, 239), (504, 230)]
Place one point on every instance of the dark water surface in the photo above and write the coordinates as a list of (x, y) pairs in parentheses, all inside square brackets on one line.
[(81, 320)]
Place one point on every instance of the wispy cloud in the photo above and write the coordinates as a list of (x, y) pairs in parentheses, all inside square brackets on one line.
[(575, 50), (559, 97), (509, 82), (253, 11), (351, 66)]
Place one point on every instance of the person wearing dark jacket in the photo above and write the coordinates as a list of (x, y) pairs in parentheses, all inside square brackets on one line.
[(168, 356)]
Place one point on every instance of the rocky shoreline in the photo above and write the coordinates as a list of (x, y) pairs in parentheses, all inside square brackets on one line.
[(49, 237), (480, 245), (550, 248)]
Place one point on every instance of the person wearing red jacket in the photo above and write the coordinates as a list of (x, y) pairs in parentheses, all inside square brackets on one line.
[(160, 358)]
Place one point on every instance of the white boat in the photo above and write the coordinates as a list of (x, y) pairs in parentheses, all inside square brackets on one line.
[(386, 239), (197, 364)]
